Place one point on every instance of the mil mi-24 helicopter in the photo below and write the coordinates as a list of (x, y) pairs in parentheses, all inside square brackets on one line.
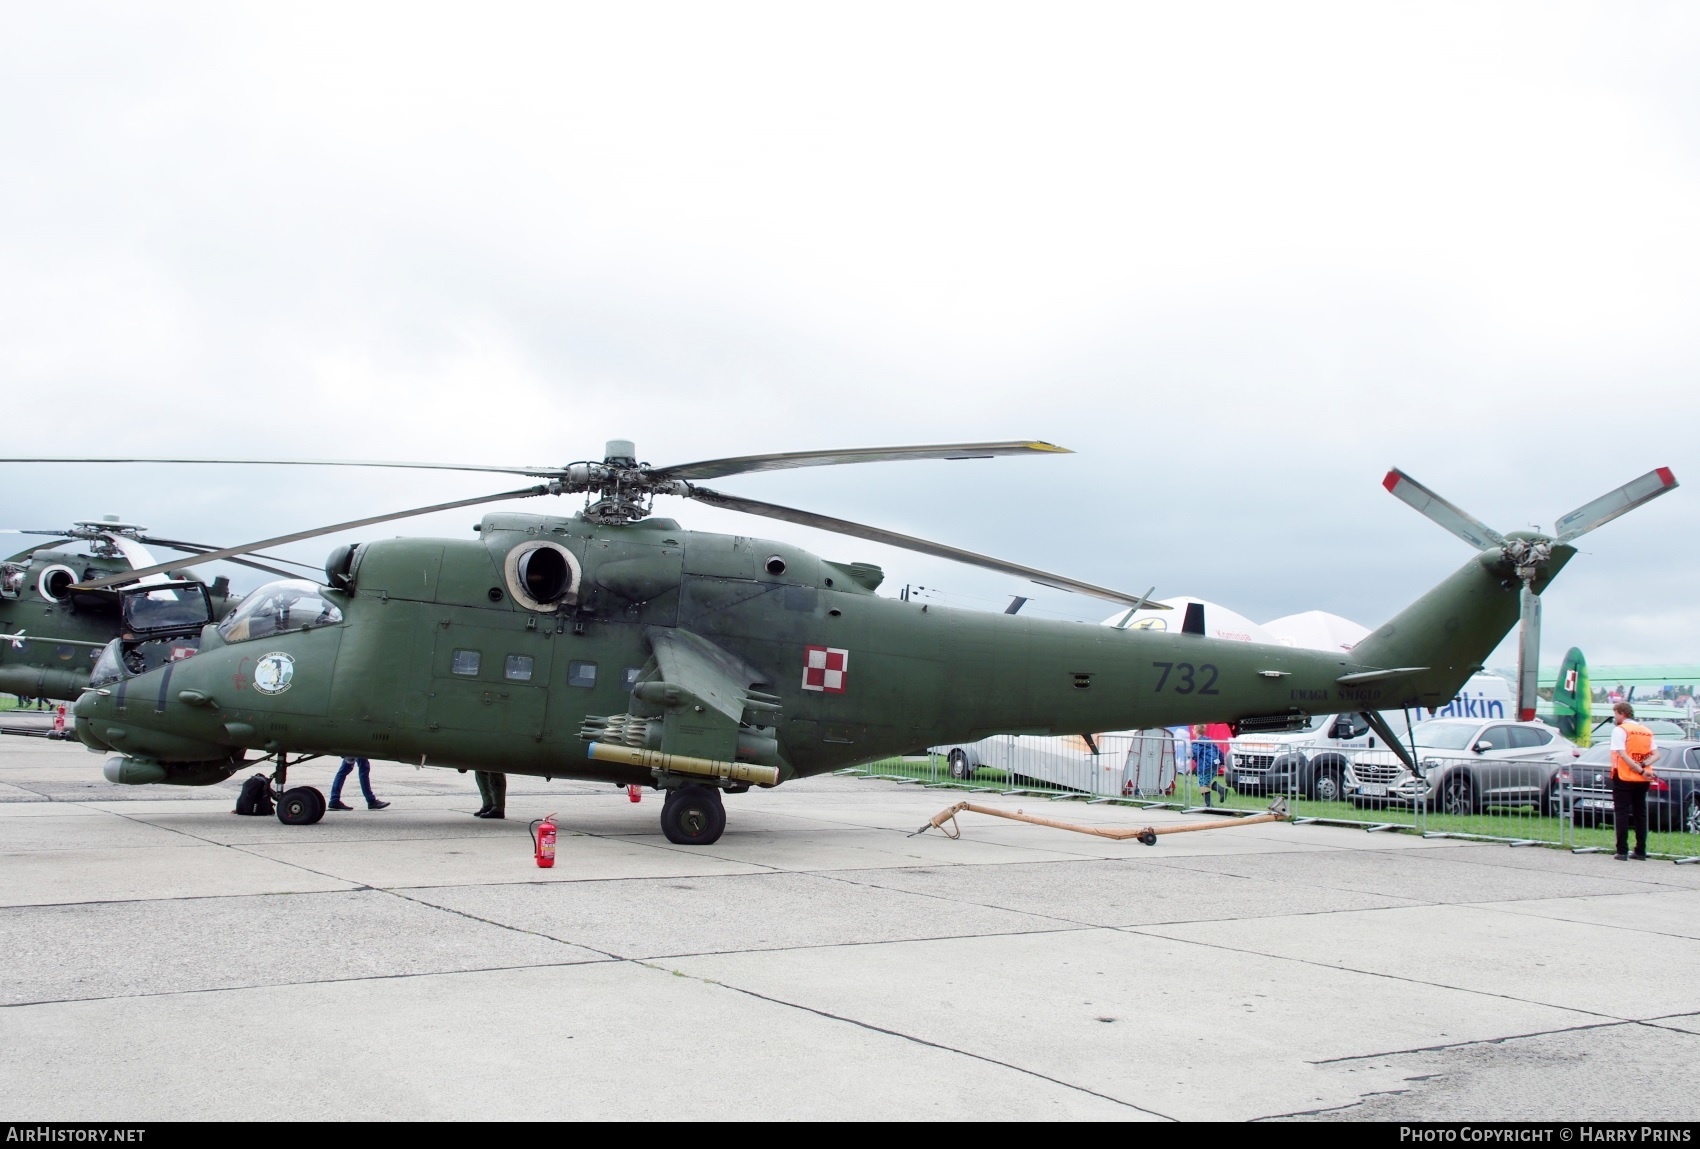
[(616, 646), (52, 628)]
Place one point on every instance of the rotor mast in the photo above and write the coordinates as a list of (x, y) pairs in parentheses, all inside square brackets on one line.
[(622, 488)]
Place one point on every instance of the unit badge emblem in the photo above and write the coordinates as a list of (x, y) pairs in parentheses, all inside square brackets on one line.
[(824, 668), (273, 673)]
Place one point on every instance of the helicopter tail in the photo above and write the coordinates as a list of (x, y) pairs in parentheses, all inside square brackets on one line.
[(1426, 653)]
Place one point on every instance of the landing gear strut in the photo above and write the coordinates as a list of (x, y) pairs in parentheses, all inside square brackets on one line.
[(298, 806), (691, 815)]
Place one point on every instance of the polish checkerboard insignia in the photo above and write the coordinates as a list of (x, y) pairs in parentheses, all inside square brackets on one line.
[(824, 668)]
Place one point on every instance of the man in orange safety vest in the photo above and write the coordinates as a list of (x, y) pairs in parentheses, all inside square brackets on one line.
[(1632, 758)]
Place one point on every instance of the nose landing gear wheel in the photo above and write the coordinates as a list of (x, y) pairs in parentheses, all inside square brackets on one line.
[(300, 806), (693, 816)]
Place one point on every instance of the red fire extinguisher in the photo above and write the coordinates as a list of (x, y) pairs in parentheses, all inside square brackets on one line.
[(634, 793), (543, 839), (59, 723)]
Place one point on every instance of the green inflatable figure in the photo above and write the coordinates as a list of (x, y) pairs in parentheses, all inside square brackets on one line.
[(1573, 699)]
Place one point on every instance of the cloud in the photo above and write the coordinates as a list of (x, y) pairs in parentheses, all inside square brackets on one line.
[(1241, 258)]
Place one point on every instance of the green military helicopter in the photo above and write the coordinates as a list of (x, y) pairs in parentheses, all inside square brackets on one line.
[(617, 646), (53, 627)]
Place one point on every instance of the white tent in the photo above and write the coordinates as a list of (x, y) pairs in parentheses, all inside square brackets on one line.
[(1308, 630), (1316, 630), (1219, 621)]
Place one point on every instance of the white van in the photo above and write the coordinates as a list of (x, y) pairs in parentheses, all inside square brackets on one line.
[(1312, 762)]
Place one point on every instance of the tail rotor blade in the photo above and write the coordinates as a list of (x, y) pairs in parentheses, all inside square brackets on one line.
[(1430, 505), (1608, 507), (1528, 654)]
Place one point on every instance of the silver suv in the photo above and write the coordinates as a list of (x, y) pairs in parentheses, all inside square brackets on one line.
[(1467, 765)]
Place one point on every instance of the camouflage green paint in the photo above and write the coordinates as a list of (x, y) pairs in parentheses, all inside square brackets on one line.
[(61, 638), (383, 682)]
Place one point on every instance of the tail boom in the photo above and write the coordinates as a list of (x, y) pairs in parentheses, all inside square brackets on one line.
[(1450, 631)]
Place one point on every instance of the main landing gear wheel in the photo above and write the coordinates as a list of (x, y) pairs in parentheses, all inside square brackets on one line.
[(959, 768), (693, 815), (300, 806)]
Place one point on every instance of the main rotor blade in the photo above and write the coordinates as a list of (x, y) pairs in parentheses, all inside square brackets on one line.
[(745, 464), (1621, 501), (279, 571), (53, 534), (248, 548), (1466, 526), (198, 551), (540, 472), (203, 548), (910, 543)]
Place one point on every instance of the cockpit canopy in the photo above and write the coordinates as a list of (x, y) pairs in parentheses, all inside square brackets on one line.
[(277, 607), (174, 608)]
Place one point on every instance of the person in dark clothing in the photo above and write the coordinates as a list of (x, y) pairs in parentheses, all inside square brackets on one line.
[(493, 788), (348, 766), (1209, 757)]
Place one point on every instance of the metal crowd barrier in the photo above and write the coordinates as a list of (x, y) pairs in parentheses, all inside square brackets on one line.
[(1556, 802)]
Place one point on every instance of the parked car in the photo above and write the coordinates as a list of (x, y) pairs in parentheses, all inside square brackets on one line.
[(1673, 801), (1467, 766), (1311, 761)]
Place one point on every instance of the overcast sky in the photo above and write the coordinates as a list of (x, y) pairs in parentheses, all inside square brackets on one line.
[(1241, 258)]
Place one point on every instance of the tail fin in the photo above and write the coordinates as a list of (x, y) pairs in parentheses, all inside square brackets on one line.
[(1445, 636)]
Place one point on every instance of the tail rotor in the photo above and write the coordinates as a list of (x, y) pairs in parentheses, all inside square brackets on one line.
[(1528, 553)]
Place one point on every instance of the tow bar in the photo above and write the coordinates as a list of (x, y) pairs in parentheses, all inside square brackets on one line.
[(945, 822)]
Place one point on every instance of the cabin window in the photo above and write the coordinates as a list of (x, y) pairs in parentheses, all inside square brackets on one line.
[(465, 663), (629, 677), (581, 674), (518, 668), (184, 609)]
